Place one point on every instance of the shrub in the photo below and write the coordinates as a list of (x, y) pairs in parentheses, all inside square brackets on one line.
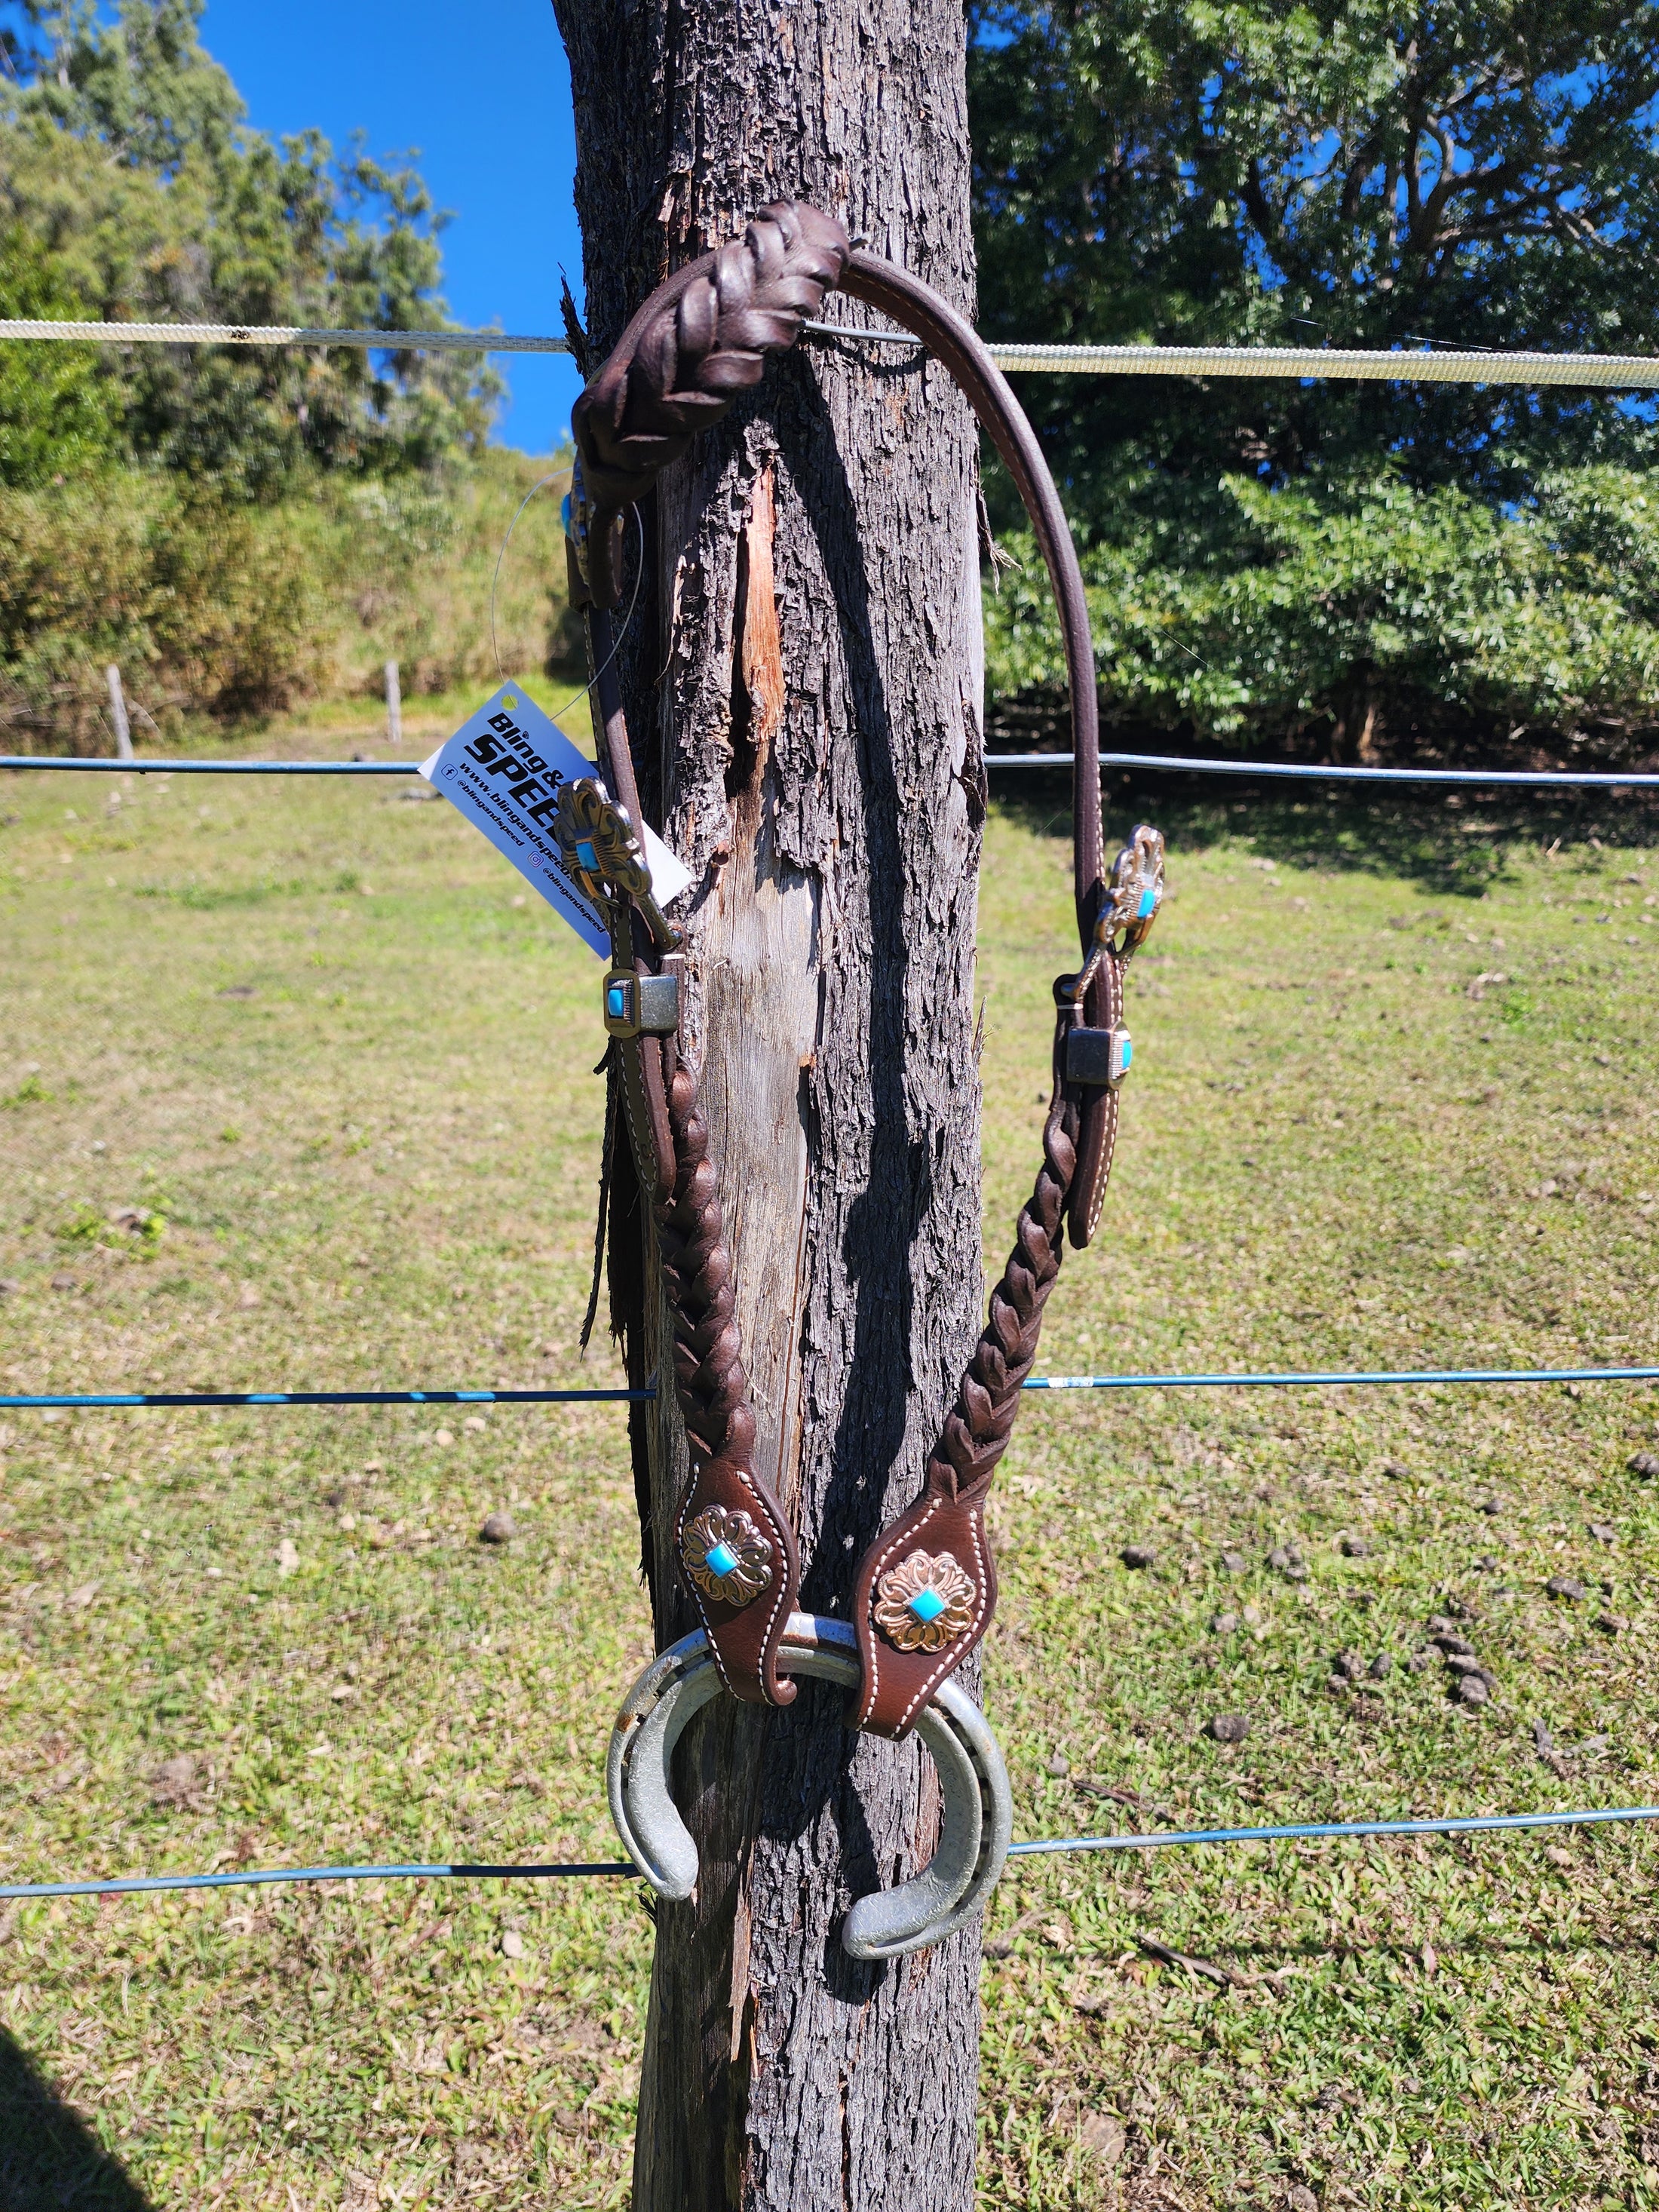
[(233, 610), (1327, 613)]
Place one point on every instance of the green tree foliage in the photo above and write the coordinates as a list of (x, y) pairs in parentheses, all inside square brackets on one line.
[(59, 413), (130, 179), (236, 528), (1323, 558)]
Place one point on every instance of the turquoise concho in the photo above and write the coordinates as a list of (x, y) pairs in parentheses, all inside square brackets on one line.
[(726, 1556), (1135, 892), (924, 1602)]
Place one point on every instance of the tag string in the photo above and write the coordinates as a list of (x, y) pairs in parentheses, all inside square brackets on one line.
[(621, 629), (495, 576)]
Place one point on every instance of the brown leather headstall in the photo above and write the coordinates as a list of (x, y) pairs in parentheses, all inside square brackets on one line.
[(927, 1587)]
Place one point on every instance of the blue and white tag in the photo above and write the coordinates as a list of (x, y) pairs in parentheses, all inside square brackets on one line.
[(503, 769)]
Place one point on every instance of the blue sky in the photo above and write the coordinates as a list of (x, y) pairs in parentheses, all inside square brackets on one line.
[(486, 98)]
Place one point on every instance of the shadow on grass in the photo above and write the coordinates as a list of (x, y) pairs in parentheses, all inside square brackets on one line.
[(1454, 843), (50, 2159)]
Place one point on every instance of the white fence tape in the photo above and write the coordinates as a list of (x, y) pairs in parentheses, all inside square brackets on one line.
[(1418, 364)]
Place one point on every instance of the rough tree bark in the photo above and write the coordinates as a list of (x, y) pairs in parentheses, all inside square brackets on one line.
[(802, 676)]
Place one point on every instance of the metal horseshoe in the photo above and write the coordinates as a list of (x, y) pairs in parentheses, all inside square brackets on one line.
[(978, 1810)]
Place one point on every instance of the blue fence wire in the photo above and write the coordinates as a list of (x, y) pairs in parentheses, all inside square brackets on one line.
[(95, 1401), (1302, 1831), (209, 767), (1478, 779), (1340, 1378), (1486, 778), (64, 1401), (149, 1885), (1299, 1832)]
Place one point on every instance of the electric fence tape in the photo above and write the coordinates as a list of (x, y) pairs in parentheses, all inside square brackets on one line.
[(1389, 365)]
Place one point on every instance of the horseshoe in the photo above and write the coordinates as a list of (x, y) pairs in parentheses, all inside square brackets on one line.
[(978, 1810)]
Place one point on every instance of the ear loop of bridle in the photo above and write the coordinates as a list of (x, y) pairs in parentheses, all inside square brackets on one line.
[(927, 1588)]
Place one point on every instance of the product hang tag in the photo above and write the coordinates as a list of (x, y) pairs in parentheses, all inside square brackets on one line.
[(503, 769)]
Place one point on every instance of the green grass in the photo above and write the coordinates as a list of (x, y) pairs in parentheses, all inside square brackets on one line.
[(338, 1080)]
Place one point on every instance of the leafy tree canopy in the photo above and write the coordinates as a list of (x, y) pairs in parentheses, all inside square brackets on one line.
[(1470, 172), (131, 187)]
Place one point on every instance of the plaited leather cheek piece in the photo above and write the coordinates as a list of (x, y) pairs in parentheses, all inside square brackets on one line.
[(926, 1589)]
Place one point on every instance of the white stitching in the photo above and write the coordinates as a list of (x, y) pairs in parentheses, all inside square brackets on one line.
[(964, 1644), (782, 1576), (948, 1664)]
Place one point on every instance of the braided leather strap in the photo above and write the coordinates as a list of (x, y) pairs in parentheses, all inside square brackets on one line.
[(735, 1547), (926, 1586), (699, 340)]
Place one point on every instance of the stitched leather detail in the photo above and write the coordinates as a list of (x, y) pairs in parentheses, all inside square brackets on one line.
[(1098, 1109), (896, 1685), (975, 1436)]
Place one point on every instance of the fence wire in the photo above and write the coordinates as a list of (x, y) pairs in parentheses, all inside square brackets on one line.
[(1300, 1832), (1313, 1379), (1372, 365), (1159, 763)]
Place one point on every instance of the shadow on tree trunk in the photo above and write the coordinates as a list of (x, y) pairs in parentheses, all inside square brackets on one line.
[(50, 2159)]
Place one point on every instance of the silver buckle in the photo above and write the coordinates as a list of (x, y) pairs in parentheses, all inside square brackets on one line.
[(1097, 1057)]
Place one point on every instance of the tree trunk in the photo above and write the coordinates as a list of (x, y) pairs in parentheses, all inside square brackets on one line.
[(802, 678)]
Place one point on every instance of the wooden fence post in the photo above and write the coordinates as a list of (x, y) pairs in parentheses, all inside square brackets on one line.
[(118, 707), (801, 676), (394, 706)]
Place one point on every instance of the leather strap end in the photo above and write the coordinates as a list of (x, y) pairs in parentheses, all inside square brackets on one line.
[(926, 1594), (646, 1110), (1097, 1108), (739, 1558), (605, 558)]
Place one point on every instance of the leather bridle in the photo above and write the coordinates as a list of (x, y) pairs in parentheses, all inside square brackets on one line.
[(926, 1589)]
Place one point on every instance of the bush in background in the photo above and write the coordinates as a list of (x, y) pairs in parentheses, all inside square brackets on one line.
[(1324, 614), (231, 612), (1358, 565)]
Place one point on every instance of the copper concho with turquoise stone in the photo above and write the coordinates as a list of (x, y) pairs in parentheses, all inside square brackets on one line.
[(1135, 892), (924, 1602), (726, 1555)]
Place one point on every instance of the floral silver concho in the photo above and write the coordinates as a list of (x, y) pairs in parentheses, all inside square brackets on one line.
[(715, 1532), (924, 1602), (1136, 890)]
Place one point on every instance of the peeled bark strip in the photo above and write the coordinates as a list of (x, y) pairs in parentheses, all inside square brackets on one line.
[(802, 683)]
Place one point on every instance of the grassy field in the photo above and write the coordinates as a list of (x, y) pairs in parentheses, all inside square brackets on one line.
[(295, 1091)]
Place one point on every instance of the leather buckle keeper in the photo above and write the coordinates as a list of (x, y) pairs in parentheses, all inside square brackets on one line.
[(1099, 1058)]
